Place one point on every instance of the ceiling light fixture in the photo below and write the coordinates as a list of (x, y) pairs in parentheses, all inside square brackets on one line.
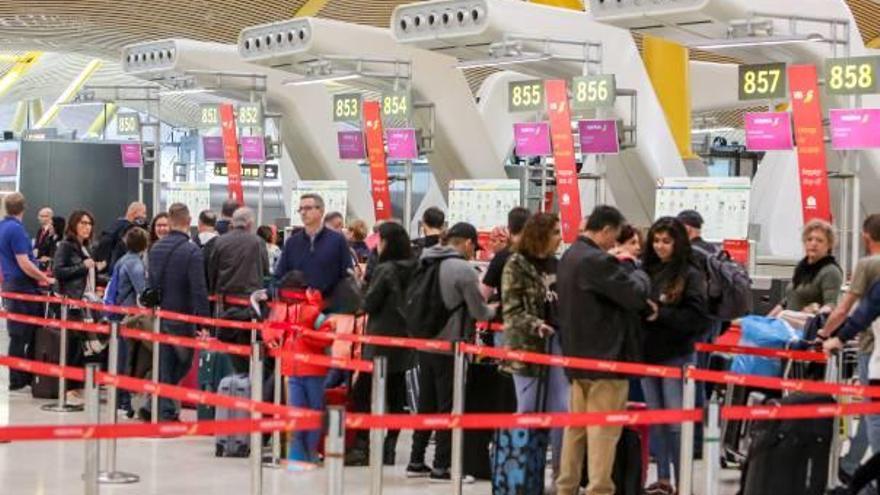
[(505, 60), (328, 78), (756, 41)]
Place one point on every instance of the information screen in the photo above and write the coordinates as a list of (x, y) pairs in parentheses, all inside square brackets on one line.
[(347, 107), (762, 81), (853, 75), (525, 96), (723, 202), (593, 91), (482, 202)]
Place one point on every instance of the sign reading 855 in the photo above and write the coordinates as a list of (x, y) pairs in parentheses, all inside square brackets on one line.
[(525, 96)]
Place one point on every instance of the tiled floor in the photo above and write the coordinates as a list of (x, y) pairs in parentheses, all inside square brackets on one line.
[(182, 466)]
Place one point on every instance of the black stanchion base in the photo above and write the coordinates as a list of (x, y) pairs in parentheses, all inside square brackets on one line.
[(117, 478), (58, 407)]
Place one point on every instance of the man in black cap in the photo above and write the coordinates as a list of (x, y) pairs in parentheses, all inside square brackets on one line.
[(460, 290), (693, 223)]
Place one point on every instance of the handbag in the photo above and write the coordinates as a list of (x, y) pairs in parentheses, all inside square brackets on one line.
[(151, 297)]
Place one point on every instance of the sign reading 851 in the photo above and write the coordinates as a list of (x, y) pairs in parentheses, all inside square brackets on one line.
[(525, 96)]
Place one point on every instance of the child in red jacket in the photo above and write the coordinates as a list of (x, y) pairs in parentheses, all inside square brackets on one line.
[(305, 380)]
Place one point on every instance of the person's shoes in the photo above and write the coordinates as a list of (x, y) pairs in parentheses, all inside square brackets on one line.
[(388, 457), (468, 479), (357, 458), (440, 476), (75, 398), (844, 476), (20, 391), (300, 466), (144, 415), (417, 470), (660, 488)]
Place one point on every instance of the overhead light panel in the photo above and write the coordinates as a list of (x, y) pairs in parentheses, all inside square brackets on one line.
[(329, 78), (504, 60), (185, 91), (756, 41), (713, 130)]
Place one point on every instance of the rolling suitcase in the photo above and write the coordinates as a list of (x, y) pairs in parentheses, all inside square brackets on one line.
[(47, 349), (631, 458), (487, 391), (213, 367), (237, 385), (789, 457)]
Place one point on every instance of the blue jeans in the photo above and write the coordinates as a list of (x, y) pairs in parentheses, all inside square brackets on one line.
[(558, 390), (666, 393), (307, 392), (174, 363)]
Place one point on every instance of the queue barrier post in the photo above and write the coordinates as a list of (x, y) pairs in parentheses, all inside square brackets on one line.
[(154, 372), (61, 405), (334, 450), (277, 380), (256, 453), (110, 475), (712, 448), (833, 375), (377, 435), (686, 459), (92, 446), (458, 386)]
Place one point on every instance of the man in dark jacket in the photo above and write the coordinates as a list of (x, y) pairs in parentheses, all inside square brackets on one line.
[(238, 262), (433, 220), (226, 211), (600, 301), (111, 246), (178, 270)]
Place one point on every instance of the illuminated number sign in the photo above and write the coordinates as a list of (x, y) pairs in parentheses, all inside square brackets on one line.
[(762, 81), (250, 115), (209, 115), (525, 96), (128, 124), (248, 170), (593, 91), (347, 107), (396, 106), (855, 75)]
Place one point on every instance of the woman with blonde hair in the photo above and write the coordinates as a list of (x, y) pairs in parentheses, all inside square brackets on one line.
[(817, 278)]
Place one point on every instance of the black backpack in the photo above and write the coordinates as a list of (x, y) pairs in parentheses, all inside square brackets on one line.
[(728, 286), (425, 313)]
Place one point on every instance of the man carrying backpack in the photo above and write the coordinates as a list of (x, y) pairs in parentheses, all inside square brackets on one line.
[(444, 275)]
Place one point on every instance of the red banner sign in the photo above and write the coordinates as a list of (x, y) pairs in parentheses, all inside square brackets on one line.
[(738, 250), (376, 156), (563, 156), (803, 83), (230, 152)]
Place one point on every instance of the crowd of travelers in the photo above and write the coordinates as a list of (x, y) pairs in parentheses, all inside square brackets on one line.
[(617, 293)]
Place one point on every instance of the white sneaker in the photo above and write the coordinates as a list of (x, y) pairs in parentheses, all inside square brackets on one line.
[(468, 479), (23, 391), (75, 398)]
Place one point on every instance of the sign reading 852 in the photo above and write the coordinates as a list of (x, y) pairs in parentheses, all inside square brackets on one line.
[(525, 96), (249, 115)]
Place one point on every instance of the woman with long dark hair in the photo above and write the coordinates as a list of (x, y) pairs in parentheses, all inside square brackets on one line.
[(678, 289), (383, 302), (159, 227), (531, 320), (75, 272)]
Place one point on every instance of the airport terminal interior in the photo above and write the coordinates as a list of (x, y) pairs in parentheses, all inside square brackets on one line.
[(561, 246)]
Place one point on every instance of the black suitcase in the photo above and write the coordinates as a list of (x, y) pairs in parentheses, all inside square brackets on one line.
[(628, 470), (488, 391), (47, 349), (789, 457)]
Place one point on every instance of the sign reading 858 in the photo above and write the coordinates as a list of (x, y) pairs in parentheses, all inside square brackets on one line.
[(853, 75)]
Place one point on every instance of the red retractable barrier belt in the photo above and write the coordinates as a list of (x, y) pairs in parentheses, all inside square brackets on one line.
[(80, 326), (31, 297), (163, 389), (124, 310), (405, 342), (201, 344), (816, 357), (539, 420), (210, 322), (573, 363), (800, 411), (164, 430), (783, 384), (483, 326), (328, 361)]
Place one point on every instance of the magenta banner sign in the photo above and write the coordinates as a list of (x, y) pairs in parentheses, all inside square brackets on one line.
[(212, 147), (131, 155), (532, 139), (598, 137), (8, 163), (351, 145), (855, 128), (401, 144), (768, 131), (253, 149)]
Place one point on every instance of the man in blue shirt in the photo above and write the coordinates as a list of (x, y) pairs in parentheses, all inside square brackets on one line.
[(20, 274), (321, 254)]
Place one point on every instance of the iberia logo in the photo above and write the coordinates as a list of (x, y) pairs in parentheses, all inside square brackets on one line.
[(809, 97), (866, 118), (372, 124)]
